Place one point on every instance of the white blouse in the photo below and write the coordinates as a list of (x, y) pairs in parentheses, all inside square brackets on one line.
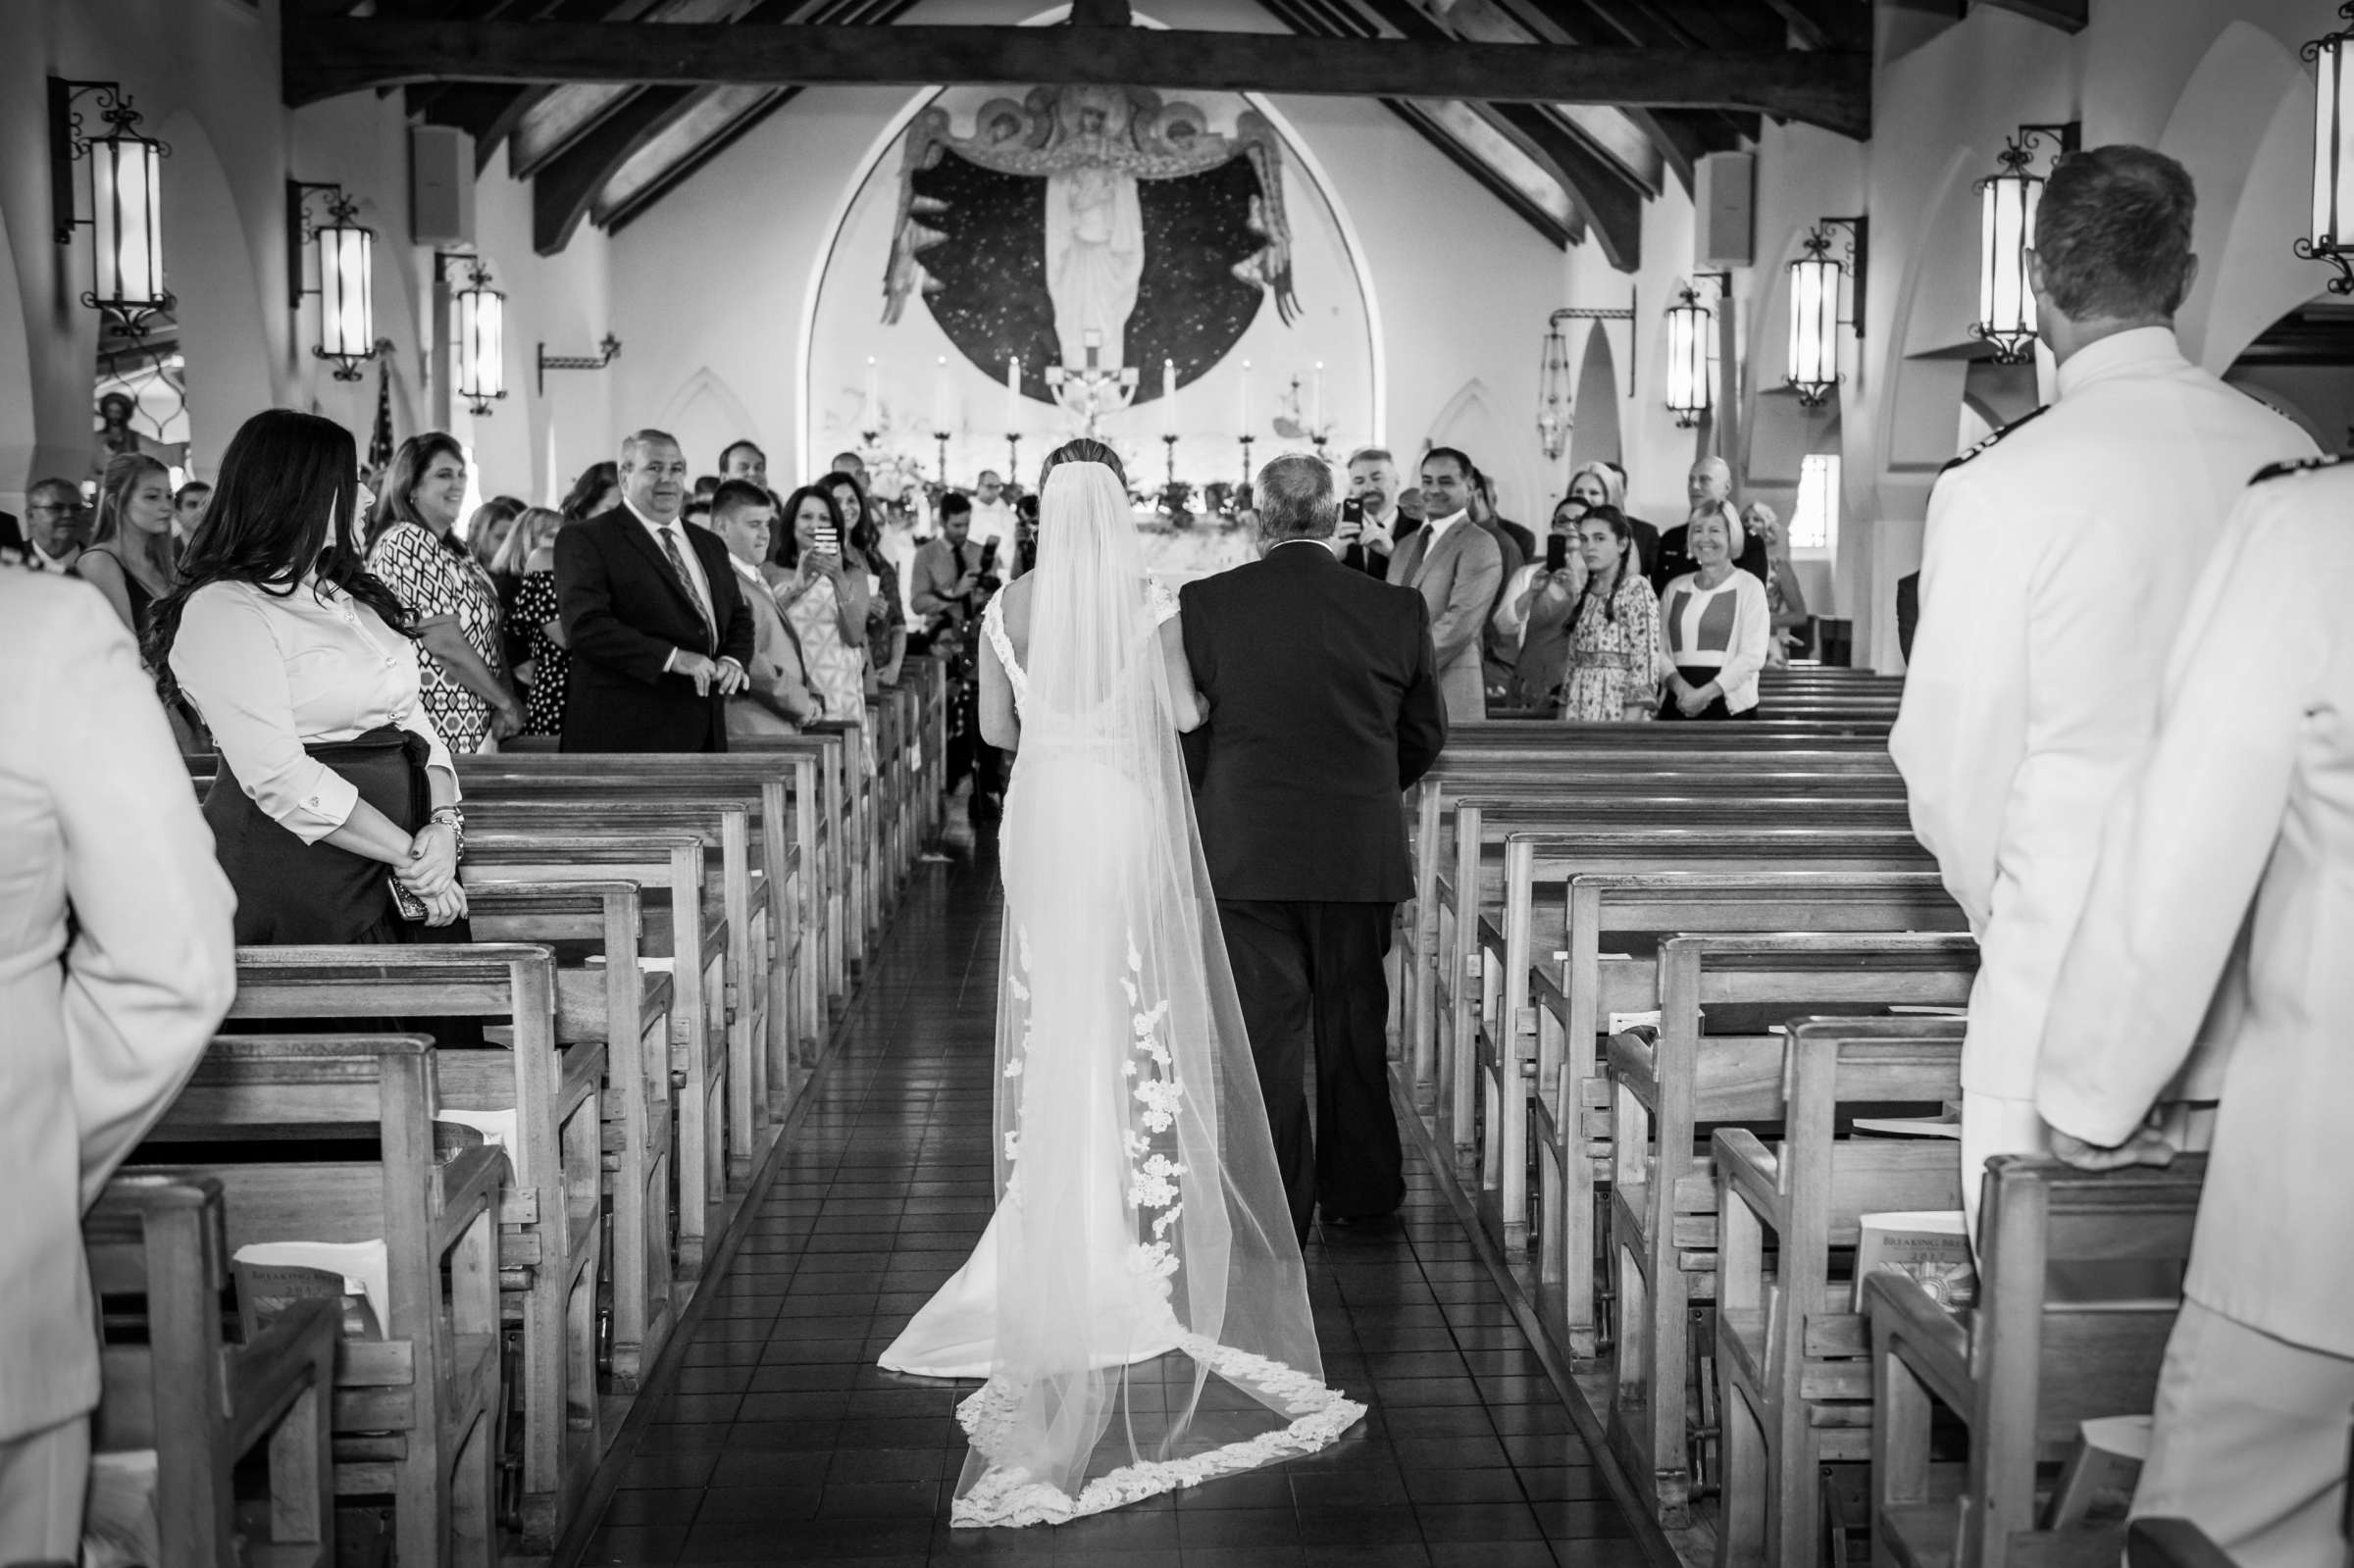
[(1697, 632), (271, 675)]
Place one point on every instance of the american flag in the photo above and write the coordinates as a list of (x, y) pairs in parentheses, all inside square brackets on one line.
[(379, 439)]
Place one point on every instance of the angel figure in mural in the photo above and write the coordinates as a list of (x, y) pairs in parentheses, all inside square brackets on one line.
[(1091, 217)]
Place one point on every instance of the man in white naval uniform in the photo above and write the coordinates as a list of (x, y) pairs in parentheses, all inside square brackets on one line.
[(2058, 560), (2247, 795)]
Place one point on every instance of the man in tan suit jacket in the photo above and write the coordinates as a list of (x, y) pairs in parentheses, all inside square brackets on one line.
[(95, 1039), (1456, 567)]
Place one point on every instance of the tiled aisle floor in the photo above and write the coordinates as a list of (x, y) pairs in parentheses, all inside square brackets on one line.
[(782, 1441)]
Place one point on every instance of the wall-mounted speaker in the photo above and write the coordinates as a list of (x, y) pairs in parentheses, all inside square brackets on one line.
[(441, 185), (1723, 202)]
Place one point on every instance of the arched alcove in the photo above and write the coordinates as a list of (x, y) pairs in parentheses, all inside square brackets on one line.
[(210, 268), (2243, 127), (705, 415), (1595, 436), (2302, 366), (1471, 424)]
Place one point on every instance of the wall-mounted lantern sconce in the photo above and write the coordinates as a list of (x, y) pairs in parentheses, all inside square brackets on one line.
[(125, 220), (1556, 382), (1814, 319), (2006, 204), (479, 356), (606, 347), (347, 275), (1692, 349), (2333, 157)]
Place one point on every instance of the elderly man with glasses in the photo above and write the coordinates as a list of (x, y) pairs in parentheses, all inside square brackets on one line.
[(56, 527)]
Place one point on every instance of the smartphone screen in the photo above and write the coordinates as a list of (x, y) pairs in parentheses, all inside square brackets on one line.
[(1556, 552), (829, 542)]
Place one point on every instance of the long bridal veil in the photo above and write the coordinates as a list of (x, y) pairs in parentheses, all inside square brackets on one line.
[(1152, 1326)]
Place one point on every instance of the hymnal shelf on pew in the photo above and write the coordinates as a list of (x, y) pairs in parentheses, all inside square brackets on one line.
[(272, 1276), (1929, 1244)]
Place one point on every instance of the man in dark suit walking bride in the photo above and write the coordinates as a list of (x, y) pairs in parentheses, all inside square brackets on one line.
[(1323, 703)]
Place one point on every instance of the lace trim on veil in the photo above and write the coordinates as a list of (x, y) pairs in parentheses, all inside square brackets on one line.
[(1007, 1496)]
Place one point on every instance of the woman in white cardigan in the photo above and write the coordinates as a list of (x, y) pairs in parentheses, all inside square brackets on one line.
[(1714, 629)]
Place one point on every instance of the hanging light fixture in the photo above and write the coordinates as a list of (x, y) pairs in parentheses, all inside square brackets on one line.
[(2006, 204), (480, 313), (1814, 320), (1692, 352), (125, 220), (1556, 405), (2333, 157), (347, 275)]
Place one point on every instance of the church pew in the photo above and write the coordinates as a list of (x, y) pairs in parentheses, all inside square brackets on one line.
[(553, 1206), (1663, 1212), (1576, 995), (2021, 1369), (2152, 1543), (415, 1412), (1487, 1034), (202, 1404), (1476, 891), (616, 1002), (860, 859), (1494, 767), (684, 920), (928, 678), (1793, 1353)]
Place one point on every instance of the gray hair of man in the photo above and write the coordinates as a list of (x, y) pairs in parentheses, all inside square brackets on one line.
[(1371, 454), (633, 445), (2113, 234), (1295, 499)]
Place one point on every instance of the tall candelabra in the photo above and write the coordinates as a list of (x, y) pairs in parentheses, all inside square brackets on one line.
[(1013, 458), (1169, 442), (1247, 440), (940, 442)]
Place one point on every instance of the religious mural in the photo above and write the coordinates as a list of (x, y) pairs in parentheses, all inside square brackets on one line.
[(1092, 224)]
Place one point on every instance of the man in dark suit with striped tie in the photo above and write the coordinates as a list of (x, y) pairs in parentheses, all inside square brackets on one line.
[(658, 634)]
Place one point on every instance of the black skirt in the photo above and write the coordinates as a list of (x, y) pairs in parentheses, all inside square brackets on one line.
[(1699, 676), (291, 893)]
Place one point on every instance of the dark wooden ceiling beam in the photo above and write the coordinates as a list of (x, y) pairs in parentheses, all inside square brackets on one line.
[(1611, 201), (567, 185), (1826, 23), (2069, 15), (326, 57)]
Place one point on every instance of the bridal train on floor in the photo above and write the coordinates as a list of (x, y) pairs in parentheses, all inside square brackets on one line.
[(1138, 1305)]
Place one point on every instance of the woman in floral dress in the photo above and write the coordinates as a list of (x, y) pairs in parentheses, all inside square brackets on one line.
[(1614, 631), (828, 618), (412, 549)]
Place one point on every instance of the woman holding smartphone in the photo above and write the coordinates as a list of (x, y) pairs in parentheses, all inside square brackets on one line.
[(811, 585)]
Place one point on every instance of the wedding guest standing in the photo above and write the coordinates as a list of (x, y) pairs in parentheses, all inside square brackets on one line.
[(2057, 558), (1714, 629), (534, 627), (811, 588), (1613, 637), (2218, 910), (129, 556), (1374, 485), (1533, 615), (187, 509), (1604, 484), (116, 964), (873, 577), (776, 699), (658, 632), (1458, 568), (333, 783), (55, 527), (1323, 701), (1785, 595), (596, 491), (1708, 492), (414, 549), (742, 459)]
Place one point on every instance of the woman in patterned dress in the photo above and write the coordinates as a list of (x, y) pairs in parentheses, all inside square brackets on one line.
[(412, 549), (533, 629), (1614, 631), (815, 591)]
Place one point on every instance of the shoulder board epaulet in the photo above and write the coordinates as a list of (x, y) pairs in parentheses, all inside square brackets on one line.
[(2302, 465), (1989, 442)]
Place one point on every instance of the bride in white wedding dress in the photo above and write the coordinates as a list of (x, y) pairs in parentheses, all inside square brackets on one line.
[(1137, 1304)]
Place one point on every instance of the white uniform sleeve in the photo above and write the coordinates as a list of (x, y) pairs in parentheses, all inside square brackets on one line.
[(153, 965), (230, 666), (2189, 837)]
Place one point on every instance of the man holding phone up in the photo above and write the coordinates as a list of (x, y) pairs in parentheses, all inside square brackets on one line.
[(953, 580)]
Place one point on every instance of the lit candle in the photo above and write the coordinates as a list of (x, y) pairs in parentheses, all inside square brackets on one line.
[(1168, 397), (1315, 410), (940, 392), (1013, 394), (874, 396), (1242, 401)]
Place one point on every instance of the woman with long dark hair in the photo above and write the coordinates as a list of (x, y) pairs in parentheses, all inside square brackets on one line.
[(335, 790), (870, 576), (597, 489), (1613, 633), (414, 549), (812, 590)]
